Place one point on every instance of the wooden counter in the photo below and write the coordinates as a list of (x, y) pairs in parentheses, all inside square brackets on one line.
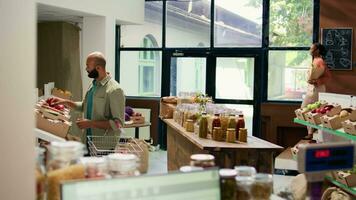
[(181, 144)]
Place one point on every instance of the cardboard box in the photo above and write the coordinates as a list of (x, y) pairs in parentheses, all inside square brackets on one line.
[(333, 122), (59, 129), (313, 118), (61, 93), (345, 178), (138, 119), (166, 110), (300, 113), (349, 127)]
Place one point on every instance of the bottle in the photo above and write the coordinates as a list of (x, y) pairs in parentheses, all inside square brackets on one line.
[(239, 124), (216, 121), (232, 121), (203, 126)]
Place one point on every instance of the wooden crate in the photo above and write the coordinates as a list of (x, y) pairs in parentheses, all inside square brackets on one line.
[(334, 111), (349, 127), (345, 178), (300, 113), (313, 118), (333, 122)]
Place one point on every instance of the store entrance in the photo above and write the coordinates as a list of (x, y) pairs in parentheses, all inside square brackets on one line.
[(228, 77)]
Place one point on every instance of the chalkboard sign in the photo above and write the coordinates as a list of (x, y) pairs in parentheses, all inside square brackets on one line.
[(338, 42)]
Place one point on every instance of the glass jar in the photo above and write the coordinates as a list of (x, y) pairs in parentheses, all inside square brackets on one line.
[(95, 167), (217, 134), (230, 135), (64, 154), (245, 171), (227, 184), (216, 121), (122, 165), (243, 187), (243, 135), (189, 125), (262, 186), (188, 168), (202, 160), (203, 126), (40, 174)]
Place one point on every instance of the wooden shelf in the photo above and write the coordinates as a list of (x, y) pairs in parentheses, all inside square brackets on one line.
[(338, 132)]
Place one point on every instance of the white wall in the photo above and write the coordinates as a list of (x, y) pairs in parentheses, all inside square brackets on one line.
[(124, 11), (17, 55)]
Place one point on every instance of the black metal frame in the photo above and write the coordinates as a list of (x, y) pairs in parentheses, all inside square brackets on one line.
[(259, 53)]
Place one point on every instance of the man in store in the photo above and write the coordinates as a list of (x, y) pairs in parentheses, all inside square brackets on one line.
[(104, 102)]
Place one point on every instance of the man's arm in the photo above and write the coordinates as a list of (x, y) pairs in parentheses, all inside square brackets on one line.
[(85, 123), (74, 105)]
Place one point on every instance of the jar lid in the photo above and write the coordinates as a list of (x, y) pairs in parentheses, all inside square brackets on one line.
[(218, 128), (244, 179), (226, 173), (190, 120), (262, 177), (67, 147), (230, 129), (202, 157), (92, 160), (190, 168), (245, 171), (122, 156)]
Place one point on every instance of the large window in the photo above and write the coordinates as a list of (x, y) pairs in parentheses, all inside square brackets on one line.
[(234, 78), (291, 23), (287, 74), (238, 23)]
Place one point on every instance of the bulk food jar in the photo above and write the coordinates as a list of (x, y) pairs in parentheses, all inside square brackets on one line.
[(262, 186), (95, 167), (122, 165), (40, 174), (227, 184), (202, 160)]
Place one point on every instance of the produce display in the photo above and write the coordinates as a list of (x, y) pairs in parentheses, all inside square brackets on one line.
[(132, 116)]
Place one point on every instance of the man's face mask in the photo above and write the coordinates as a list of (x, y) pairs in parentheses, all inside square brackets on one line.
[(93, 74)]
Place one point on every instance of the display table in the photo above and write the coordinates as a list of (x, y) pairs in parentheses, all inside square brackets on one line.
[(182, 144), (137, 127)]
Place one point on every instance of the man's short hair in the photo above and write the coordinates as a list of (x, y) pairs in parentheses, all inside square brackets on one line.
[(98, 58)]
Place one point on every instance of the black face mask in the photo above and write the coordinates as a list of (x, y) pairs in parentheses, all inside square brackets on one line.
[(93, 74)]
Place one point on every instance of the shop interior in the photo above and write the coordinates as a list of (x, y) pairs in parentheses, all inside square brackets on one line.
[(211, 107)]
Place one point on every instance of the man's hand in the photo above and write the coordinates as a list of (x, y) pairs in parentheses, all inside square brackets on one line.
[(84, 123), (58, 101)]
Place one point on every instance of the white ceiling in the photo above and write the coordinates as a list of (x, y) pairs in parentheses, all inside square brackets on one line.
[(51, 13)]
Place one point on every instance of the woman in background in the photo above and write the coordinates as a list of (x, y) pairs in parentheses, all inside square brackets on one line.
[(318, 75)]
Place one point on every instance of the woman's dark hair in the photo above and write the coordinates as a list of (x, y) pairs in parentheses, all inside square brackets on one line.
[(321, 48)]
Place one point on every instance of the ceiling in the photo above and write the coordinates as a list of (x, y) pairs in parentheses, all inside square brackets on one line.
[(51, 13)]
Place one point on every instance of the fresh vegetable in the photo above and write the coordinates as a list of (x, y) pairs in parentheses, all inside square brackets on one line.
[(129, 110), (127, 117)]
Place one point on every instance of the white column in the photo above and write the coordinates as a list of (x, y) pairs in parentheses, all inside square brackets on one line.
[(98, 35), (17, 86)]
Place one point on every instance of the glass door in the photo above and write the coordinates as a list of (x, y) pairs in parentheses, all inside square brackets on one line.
[(187, 73)]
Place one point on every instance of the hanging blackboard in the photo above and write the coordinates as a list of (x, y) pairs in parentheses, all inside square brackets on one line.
[(338, 42)]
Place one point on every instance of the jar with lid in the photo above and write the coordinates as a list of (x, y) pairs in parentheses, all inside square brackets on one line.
[(202, 160), (227, 184), (243, 135), (64, 154), (230, 135), (95, 167), (243, 187), (245, 171), (203, 126), (262, 186), (122, 165), (217, 134), (40, 174), (189, 125), (216, 121), (189, 168)]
